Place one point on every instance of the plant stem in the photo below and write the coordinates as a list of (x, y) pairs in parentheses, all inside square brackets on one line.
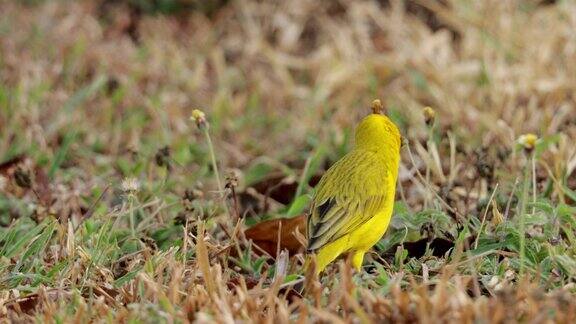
[(131, 211), (213, 158), (522, 215), (215, 167), (533, 160), (429, 144)]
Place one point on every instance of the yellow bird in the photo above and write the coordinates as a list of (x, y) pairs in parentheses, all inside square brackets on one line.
[(353, 203)]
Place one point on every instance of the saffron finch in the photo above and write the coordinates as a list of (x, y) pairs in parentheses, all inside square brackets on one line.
[(353, 203)]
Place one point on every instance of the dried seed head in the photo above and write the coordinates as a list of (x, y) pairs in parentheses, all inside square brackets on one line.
[(181, 219), (130, 185), (192, 194), (162, 157), (231, 180), (199, 117), (377, 107), (149, 242), (429, 115), (22, 178), (528, 142)]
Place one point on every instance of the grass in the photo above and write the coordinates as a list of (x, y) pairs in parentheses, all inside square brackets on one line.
[(110, 203)]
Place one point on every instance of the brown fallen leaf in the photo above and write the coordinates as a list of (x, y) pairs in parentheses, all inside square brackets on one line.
[(286, 230), (280, 187), (249, 282), (29, 304), (6, 166), (42, 185)]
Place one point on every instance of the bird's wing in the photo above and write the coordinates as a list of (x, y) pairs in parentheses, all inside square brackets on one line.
[(351, 192)]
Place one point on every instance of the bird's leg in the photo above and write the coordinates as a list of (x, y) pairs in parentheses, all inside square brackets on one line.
[(357, 259)]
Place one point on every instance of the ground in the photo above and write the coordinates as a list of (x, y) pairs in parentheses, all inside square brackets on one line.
[(116, 206)]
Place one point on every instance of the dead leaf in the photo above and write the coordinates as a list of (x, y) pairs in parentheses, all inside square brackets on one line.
[(281, 188), (29, 304), (265, 234), (6, 166), (497, 216), (42, 183), (204, 261)]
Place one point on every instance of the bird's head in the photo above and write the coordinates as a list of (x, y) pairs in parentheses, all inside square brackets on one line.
[(377, 132)]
